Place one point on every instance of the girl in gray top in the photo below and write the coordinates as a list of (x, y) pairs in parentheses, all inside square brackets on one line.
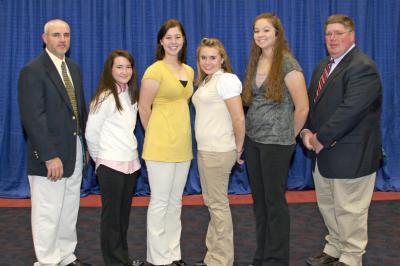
[(276, 94)]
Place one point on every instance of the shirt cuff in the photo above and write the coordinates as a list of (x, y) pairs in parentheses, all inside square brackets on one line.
[(302, 132)]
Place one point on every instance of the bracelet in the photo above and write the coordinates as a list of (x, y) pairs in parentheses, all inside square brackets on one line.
[(240, 151)]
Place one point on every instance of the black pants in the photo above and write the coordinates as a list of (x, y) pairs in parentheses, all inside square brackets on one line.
[(268, 167), (116, 198)]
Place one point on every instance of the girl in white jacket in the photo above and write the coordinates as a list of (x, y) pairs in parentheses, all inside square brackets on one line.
[(113, 147)]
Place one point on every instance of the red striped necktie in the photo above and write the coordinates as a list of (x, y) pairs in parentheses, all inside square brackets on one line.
[(324, 77)]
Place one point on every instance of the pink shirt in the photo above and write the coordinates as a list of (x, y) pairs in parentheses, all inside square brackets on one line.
[(123, 167)]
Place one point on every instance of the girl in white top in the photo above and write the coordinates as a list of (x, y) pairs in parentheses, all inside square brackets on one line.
[(220, 129), (113, 146)]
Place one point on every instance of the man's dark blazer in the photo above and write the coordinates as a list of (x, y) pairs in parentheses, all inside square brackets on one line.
[(47, 114), (346, 117)]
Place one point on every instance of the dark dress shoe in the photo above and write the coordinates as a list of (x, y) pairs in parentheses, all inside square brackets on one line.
[(179, 263), (135, 263), (200, 263), (322, 259), (78, 263), (339, 263)]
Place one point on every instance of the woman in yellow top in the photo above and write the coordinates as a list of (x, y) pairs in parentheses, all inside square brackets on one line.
[(166, 88)]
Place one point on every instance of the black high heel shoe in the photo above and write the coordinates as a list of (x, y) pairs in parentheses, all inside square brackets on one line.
[(179, 263)]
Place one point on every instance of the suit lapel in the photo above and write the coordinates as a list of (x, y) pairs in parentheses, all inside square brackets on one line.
[(338, 69), (54, 76)]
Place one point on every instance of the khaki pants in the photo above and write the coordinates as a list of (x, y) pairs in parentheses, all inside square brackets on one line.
[(214, 169), (344, 204)]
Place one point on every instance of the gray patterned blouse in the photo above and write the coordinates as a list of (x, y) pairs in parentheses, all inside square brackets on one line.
[(269, 122)]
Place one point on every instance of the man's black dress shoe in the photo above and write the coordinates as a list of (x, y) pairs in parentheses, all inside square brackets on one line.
[(78, 263), (179, 263), (322, 259), (200, 263), (339, 263)]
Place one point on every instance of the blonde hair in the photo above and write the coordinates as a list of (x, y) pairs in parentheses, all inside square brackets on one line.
[(216, 44)]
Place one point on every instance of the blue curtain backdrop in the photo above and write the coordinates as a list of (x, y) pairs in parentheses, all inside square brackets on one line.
[(99, 26)]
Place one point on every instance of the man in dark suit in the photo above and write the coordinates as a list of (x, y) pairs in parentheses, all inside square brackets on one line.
[(53, 113), (343, 131)]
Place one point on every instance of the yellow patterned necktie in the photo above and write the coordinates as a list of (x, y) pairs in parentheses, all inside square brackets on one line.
[(70, 91)]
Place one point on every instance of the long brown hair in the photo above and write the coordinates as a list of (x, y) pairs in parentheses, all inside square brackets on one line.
[(107, 82), (160, 52), (217, 44), (275, 82)]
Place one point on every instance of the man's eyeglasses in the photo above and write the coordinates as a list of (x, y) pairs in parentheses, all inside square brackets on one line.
[(336, 33)]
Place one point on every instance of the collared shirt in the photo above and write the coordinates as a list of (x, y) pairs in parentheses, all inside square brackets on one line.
[(337, 60), (334, 65), (121, 88), (57, 62), (123, 167)]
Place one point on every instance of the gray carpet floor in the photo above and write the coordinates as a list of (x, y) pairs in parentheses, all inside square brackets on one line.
[(307, 234)]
